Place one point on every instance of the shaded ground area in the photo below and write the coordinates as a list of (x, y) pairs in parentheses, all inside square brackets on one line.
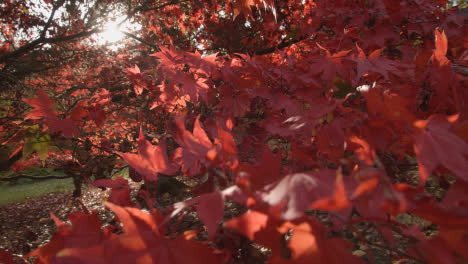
[(26, 225)]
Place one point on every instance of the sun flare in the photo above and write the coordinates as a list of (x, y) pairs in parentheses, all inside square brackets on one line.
[(112, 32), (112, 35)]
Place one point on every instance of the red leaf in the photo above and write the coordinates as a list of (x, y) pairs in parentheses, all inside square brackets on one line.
[(141, 242), (227, 141), (374, 63), (150, 159), (265, 171), (259, 227), (65, 126), (365, 152), (134, 70), (120, 193), (42, 107), (329, 65), (339, 199), (228, 148), (310, 244), (144, 237), (449, 218), (194, 149), (79, 111), (366, 186), (194, 88), (243, 6), (210, 208), (440, 44), (145, 249), (167, 57), (135, 221), (6, 257), (200, 134), (434, 251), (97, 114), (249, 223), (435, 145), (456, 199), (391, 106), (84, 231)]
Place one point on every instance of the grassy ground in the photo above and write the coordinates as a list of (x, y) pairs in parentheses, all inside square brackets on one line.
[(25, 190)]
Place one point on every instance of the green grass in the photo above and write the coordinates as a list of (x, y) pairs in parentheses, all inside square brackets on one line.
[(22, 191), (121, 173), (26, 188)]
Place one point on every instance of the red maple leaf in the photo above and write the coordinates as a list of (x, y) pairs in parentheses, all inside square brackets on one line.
[(141, 242), (330, 65), (83, 232), (263, 172), (79, 111), (97, 114), (309, 243), (144, 240), (373, 63), (259, 227), (210, 208), (65, 126), (194, 88), (436, 145), (120, 190), (434, 250), (391, 106), (442, 75), (441, 47), (195, 148), (42, 107), (134, 70), (451, 216), (365, 152), (167, 57), (150, 159), (248, 223), (243, 6)]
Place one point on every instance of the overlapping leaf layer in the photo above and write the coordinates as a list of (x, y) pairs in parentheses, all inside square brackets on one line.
[(332, 108)]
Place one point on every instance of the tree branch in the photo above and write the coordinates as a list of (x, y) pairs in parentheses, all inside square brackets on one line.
[(31, 45), (26, 176), (51, 17), (73, 36), (156, 47)]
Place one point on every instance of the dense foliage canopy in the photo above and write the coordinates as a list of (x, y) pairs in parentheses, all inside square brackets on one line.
[(289, 109)]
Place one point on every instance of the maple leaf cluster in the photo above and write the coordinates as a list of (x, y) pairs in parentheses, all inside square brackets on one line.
[(315, 106)]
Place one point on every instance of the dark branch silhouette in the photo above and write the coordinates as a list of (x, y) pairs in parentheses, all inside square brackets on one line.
[(26, 176)]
